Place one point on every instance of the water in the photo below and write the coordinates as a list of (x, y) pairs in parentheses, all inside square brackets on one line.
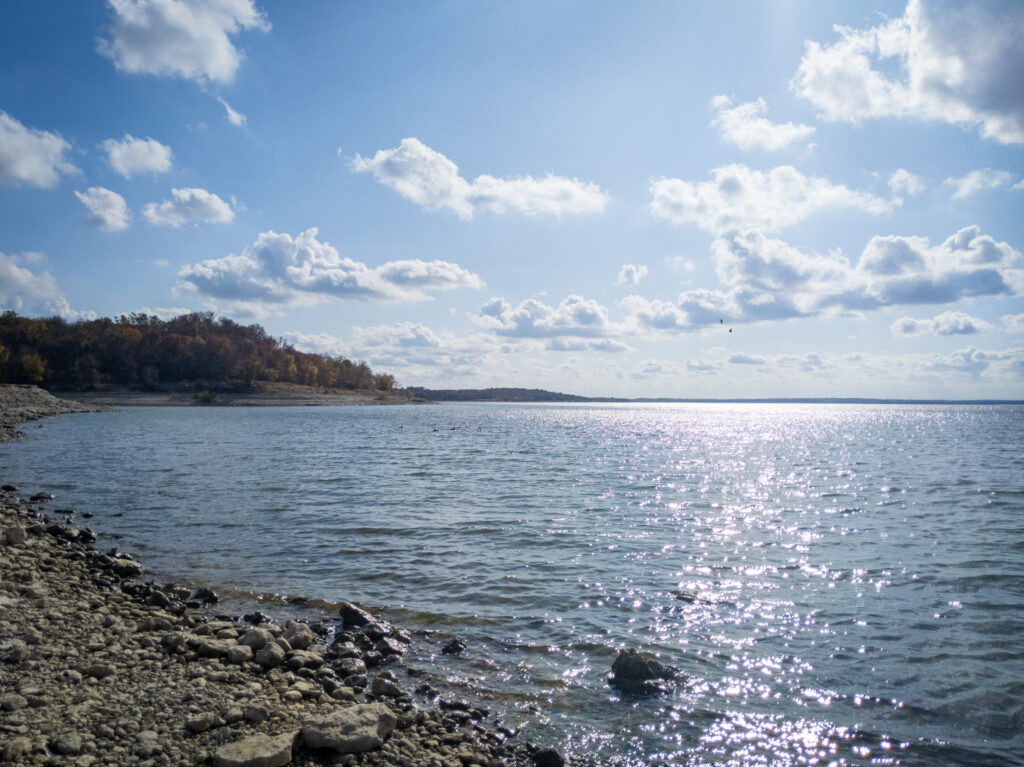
[(839, 584)]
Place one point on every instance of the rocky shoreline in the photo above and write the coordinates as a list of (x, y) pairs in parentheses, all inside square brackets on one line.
[(98, 667), (19, 404)]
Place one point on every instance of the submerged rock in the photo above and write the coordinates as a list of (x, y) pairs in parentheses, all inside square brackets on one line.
[(634, 674), (454, 647)]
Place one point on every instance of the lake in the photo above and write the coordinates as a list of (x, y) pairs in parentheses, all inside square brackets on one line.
[(839, 584)]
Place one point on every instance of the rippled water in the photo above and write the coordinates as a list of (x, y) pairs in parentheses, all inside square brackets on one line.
[(840, 584)]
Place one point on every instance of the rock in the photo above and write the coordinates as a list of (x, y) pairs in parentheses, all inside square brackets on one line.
[(14, 651), (11, 701), (239, 654), (200, 722), (270, 656), (205, 596), (383, 687), (454, 647), (124, 567), (634, 674), (256, 618), (98, 670), (358, 728), (350, 666), (256, 638), (174, 642), (548, 757), (67, 743), (41, 497), (299, 635), (256, 714), (257, 751), (388, 647), (15, 535), (17, 748), (355, 616), (215, 648), (154, 623), (304, 659)]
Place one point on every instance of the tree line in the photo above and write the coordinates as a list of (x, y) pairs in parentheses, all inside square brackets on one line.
[(195, 350)]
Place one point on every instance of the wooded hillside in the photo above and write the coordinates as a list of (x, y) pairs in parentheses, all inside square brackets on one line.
[(196, 350)]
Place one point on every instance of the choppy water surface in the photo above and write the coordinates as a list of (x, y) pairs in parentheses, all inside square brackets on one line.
[(840, 584)]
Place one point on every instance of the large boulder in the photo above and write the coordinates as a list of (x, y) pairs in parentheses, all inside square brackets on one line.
[(351, 730), (634, 674), (355, 616), (257, 751)]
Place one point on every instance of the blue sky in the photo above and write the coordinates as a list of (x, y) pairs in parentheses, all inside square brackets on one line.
[(585, 197)]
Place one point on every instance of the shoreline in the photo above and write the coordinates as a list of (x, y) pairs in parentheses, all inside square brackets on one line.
[(100, 667)]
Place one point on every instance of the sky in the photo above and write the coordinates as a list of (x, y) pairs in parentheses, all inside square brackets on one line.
[(801, 198)]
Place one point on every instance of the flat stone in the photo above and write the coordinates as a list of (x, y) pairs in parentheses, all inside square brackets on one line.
[(257, 751), (215, 648), (351, 730)]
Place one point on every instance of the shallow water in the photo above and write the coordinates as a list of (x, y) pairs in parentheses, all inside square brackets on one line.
[(840, 584)]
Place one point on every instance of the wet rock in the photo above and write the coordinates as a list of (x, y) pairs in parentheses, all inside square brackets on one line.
[(342, 648), (388, 646), (634, 674), (124, 567), (256, 618), (205, 596), (383, 687), (454, 647), (355, 616), (41, 497), (548, 757), (297, 659), (355, 729), (257, 751)]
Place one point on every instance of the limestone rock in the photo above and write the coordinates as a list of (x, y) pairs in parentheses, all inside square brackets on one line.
[(257, 751), (351, 730)]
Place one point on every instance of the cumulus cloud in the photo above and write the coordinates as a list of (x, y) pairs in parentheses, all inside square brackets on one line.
[(189, 206), (32, 292), (903, 180), (971, 360), (1013, 323), (432, 181), (278, 270), (768, 279), (31, 157), (179, 38), (738, 197), (746, 126), (955, 62), (978, 181), (131, 155), (945, 324), (631, 274), (107, 210), (575, 316), (235, 118), (742, 358)]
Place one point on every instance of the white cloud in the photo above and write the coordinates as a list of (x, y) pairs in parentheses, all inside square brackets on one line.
[(977, 181), (957, 62), (235, 118), (432, 181), (631, 274), (972, 360), (742, 358), (574, 316), (278, 270), (945, 324), (1014, 323), (738, 197), (165, 312), (318, 343), (189, 206), (179, 38), (746, 125), (133, 155), (29, 156), (33, 293), (769, 279), (903, 180), (108, 210)]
